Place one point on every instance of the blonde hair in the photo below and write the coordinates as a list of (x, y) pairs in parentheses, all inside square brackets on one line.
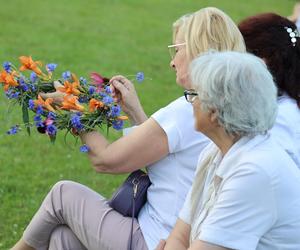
[(209, 28)]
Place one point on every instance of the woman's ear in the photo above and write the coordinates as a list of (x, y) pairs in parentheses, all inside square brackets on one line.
[(213, 115)]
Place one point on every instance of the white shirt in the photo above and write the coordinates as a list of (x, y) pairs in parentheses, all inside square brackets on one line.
[(172, 176), (286, 129), (258, 199)]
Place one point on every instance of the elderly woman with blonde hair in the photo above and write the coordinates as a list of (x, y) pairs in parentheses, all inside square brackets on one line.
[(246, 189), (74, 217)]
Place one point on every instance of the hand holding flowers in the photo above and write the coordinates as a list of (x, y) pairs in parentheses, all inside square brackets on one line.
[(66, 103)]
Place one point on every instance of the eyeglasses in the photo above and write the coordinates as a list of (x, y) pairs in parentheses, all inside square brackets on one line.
[(190, 95), (173, 49)]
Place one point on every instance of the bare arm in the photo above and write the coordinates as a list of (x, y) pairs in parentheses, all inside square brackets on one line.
[(146, 144), (179, 237)]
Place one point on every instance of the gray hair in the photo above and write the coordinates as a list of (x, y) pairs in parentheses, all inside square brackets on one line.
[(239, 87)]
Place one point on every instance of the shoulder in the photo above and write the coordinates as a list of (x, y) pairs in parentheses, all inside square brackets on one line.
[(288, 110)]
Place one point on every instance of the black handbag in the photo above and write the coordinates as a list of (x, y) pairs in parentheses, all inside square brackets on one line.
[(130, 197)]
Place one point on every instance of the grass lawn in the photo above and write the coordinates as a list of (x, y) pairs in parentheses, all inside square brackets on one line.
[(108, 36)]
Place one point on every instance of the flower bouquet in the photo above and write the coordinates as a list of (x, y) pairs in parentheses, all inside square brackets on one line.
[(84, 105)]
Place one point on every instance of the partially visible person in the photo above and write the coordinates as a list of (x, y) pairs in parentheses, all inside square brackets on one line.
[(276, 40), (246, 190), (76, 217), (295, 17)]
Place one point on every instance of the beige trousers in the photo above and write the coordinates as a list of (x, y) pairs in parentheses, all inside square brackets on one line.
[(74, 217)]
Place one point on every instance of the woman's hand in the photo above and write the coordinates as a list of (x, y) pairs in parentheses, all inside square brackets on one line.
[(57, 96), (124, 92)]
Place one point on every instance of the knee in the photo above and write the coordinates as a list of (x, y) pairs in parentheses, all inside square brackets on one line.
[(62, 237), (63, 185)]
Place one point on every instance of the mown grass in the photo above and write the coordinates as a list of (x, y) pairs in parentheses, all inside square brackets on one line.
[(108, 36)]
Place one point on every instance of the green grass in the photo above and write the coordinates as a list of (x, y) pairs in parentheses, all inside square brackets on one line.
[(108, 36)]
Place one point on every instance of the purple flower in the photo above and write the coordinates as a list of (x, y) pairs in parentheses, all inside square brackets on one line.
[(12, 94), (66, 75), (83, 99), (91, 90), (31, 104), (107, 100), (37, 118), (118, 125), (115, 111), (23, 84), (51, 115), (51, 67), (84, 148), (13, 130), (107, 90), (33, 77), (76, 123), (39, 110), (7, 66), (51, 130), (140, 77)]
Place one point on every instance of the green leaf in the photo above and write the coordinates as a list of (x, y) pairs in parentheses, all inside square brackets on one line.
[(26, 117)]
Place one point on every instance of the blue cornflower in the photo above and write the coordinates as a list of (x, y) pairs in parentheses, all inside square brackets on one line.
[(37, 118), (117, 125), (66, 75), (115, 111), (33, 87), (84, 148), (39, 124), (51, 129), (7, 66), (23, 84), (82, 80), (140, 77), (11, 94), (75, 121), (83, 99), (107, 100), (13, 130), (107, 90), (33, 77), (91, 90), (39, 110), (51, 115), (31, 104), (51, 67)]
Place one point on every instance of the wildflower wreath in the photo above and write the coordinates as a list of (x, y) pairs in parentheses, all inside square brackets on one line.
[(84, 106)]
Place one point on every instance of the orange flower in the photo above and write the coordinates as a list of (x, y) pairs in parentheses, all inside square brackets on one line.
[(122, 117), (28, 63), (71, 103), (95, 104), (46, 104), (8, 79), (71, 88)]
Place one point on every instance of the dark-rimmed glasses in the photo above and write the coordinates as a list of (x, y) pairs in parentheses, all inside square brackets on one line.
[(172, 49), (190, 95)]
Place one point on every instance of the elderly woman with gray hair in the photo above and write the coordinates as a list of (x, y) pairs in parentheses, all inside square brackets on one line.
[(246, 189)]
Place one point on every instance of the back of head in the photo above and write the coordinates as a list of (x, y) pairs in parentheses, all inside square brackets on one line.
[(210, 28), (267, 36), (239, 87)]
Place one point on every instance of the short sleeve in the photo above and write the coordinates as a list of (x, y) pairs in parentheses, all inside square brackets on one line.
[(185, 212), (244, 211), (177, 121)]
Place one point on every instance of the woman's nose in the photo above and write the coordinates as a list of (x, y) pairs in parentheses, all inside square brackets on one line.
[(172, 64)]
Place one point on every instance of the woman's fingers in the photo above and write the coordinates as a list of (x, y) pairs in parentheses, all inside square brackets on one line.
[(128, 84), (57, 96)]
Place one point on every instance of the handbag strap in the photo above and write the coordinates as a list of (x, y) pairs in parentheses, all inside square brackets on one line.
[(135, 183)]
